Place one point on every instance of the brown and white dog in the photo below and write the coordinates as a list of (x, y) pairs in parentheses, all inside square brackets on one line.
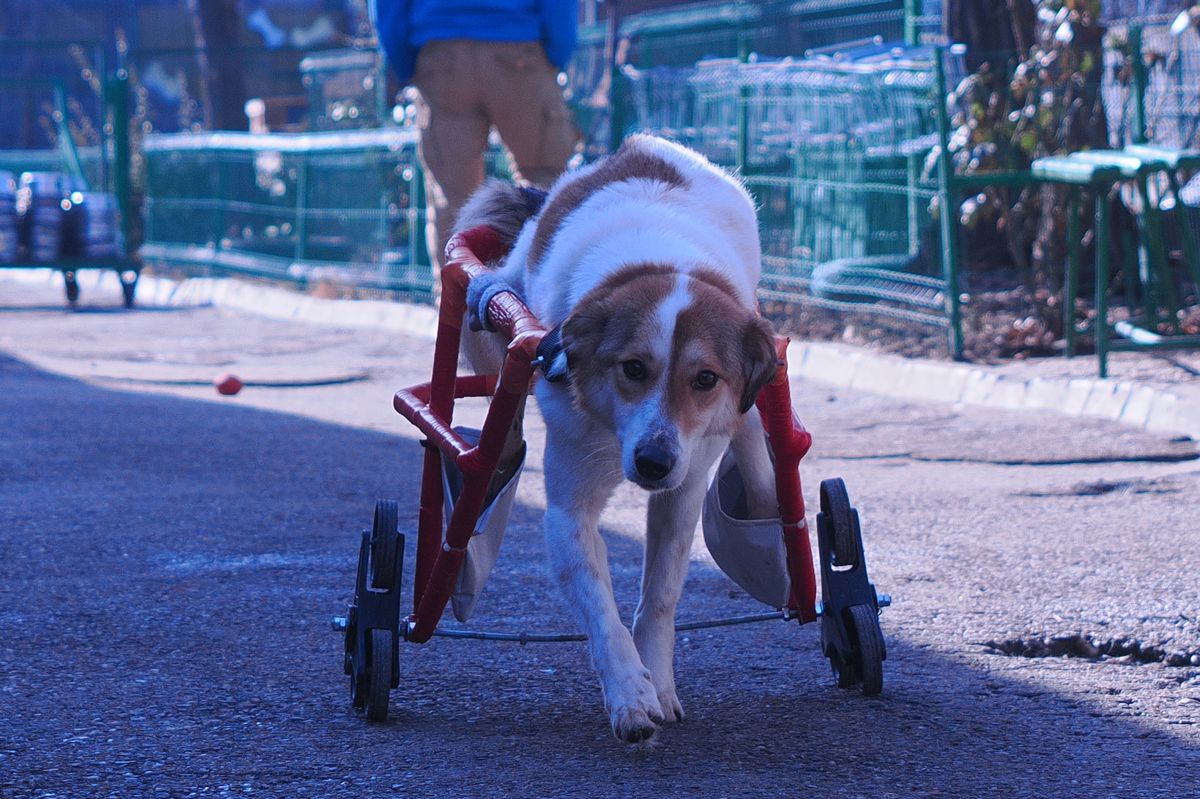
[(648, 261)]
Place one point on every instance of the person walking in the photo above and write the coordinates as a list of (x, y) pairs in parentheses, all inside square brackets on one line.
[(475, 64)]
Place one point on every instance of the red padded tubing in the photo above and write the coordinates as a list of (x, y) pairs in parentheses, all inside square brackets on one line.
[(790, 442), (430, 407)]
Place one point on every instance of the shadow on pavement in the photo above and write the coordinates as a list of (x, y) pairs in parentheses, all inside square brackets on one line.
[(92, 309), (170, 567)]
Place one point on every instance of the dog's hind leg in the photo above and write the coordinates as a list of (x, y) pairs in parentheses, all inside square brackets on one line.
[(753, 456), (482, 350), (670, 527)]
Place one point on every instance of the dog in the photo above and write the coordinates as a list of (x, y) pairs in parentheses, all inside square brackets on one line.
[(645, 266)]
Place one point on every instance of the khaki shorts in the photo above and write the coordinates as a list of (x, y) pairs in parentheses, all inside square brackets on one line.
[(465, 88)]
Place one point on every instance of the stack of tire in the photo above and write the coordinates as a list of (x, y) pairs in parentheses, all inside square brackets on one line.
[(8, 218), (57, 218), (39, 199), (90, 227)]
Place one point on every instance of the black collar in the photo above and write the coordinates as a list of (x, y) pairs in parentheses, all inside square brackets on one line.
[(550, 357)]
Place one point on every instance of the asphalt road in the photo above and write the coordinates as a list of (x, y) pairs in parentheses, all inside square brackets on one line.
[(170, 559)]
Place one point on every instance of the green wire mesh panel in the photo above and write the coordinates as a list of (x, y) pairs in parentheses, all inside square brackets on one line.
[(54, 150), (775, 28), (345, 208), (827, 118), (832, 147), (663, 99), (586, 90), (1172, 94), (339, 207), (858, 211)]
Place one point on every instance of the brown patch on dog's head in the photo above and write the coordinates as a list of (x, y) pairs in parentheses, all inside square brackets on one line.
[(627, 163), (613, 322), (717, 334)]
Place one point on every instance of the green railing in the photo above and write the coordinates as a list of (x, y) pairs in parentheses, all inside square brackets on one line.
[(87, 143), (339, 207), (45, 101)]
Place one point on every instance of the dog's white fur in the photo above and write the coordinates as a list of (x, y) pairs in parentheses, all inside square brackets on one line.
[(651, 257)]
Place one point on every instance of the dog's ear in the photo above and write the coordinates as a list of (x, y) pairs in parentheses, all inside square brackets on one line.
[(582, 334), (758, 359)]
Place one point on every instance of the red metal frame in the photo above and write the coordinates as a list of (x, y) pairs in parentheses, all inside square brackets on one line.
[(430, 407), (789, 443)]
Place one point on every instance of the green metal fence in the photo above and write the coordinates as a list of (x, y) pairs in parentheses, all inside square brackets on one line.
[(832, 146), (49, 146), (68, 145), (339, 207), (54, 111), (770, 28)]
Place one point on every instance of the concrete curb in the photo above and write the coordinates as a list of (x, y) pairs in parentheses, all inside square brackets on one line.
[(1172, 409), (1162, 409), (273, 303)]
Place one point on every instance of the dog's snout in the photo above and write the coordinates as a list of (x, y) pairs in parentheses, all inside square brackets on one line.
[(653, 463)]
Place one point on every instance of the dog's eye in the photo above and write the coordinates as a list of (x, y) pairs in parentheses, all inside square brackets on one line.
[(705, 381), (634, 370)]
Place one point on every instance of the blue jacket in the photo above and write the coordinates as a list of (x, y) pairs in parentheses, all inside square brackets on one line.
[(405, 25)]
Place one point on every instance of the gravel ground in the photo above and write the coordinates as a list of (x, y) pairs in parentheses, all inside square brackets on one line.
[(171, 559)]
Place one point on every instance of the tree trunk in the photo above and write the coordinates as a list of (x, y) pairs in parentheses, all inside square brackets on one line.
[(991, 29), (215, 25), (1080, 124)]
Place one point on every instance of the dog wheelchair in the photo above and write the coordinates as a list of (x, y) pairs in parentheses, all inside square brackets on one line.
[(469, 479)]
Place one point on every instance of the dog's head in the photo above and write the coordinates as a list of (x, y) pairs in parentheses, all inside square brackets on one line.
[(665, 359)]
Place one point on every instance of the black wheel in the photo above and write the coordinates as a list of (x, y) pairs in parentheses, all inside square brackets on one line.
[(72, 287), (349, 637), (359, 676), (384, 534), (870, 648), (835, 504), (379, 674), (847, 674)]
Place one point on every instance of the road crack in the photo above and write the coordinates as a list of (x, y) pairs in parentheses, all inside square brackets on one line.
[(1096, 488), (1156, 457), (1093, 648)]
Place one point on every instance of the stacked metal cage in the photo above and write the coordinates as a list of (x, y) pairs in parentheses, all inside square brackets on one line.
[(832, 146), (344, 88)]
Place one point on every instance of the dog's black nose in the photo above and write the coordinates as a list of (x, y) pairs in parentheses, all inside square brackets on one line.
[(652, 463)]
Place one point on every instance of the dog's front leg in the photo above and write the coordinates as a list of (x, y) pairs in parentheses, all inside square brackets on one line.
[(670, 526), (577, 488)]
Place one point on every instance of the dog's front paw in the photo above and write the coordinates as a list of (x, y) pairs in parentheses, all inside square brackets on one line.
[(671, 707), (634, 709), (632, 724)]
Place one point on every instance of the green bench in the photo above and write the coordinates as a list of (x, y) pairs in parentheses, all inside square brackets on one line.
[(1100, 171)]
